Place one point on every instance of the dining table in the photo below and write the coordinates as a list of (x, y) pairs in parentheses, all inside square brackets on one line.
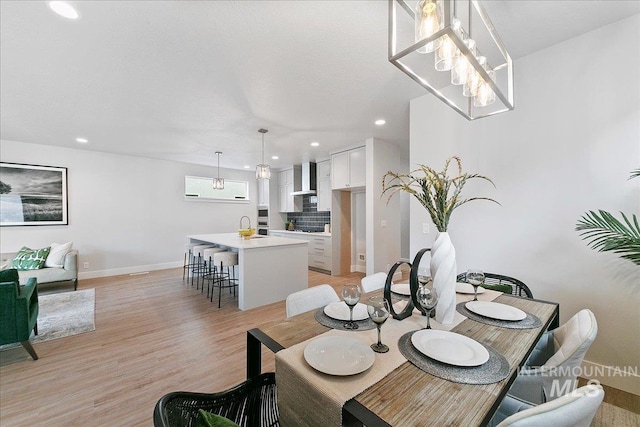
[(395, 391)]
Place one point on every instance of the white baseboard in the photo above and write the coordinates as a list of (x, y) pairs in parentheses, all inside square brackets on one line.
[(623, 378), (127, 270), (359, 268)]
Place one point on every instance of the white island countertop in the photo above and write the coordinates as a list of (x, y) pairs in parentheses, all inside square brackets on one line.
[(234, 240), (269, 268)]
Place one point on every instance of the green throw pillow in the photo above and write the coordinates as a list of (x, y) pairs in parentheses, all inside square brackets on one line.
[(207, 419), (30, 259)]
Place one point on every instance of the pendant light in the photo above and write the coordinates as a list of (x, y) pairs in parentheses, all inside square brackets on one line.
[(218, 183), (459, 39), (263, 171)]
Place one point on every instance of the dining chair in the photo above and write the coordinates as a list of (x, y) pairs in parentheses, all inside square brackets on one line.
[(251, 403), (551, 368), (224, 260), (309, 299), (505, 284), (373, 282), (575, 409), (189, 260)]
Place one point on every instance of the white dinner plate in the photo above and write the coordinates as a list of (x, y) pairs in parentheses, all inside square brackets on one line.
[(340, 311), (466, 288), (401, 289), (495, 310), (449, 347), (338, 355)]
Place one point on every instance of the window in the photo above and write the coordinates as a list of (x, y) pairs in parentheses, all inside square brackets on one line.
[(200, 188)]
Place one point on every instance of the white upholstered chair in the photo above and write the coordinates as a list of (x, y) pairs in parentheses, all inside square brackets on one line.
[(373, 282), (555, 360), (309, 299), (575, 409)]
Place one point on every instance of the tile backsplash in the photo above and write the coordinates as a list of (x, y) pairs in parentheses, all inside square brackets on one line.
[(309, 219)]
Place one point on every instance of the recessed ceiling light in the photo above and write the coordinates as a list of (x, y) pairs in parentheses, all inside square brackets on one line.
[(82, 140), (63, 9), (380, 122), (275, 157), (247, 166), (315, 144)]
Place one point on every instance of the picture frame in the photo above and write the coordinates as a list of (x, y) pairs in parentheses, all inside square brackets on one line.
[(33, 195)]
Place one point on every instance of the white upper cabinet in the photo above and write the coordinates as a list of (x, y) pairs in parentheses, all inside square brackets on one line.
[(323, 182), (289, 180), (348, 169)]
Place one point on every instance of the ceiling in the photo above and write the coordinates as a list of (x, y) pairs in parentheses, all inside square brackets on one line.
[(181, 80)]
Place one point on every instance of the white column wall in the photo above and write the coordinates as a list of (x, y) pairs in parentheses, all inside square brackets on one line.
[(567, 148), (383, 241), (126, 213)]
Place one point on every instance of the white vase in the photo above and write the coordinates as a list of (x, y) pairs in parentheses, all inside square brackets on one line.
[(443, 273)]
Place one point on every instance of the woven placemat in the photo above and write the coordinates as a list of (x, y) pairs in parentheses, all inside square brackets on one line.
[(329, 322), (494, 370), (528, 322)]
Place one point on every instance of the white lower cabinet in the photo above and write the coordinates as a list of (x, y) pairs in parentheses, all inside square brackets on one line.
[(319, 248)]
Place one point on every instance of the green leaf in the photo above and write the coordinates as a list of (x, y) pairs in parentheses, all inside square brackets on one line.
[(605, 233)]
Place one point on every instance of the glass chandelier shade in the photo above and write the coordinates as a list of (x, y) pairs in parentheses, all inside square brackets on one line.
[(218, 183), (455, 32), (263, 171)]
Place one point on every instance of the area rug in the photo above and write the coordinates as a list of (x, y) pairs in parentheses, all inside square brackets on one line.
[(63, 314)]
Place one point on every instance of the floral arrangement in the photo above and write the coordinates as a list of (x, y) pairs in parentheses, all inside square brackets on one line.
[(439, 193)]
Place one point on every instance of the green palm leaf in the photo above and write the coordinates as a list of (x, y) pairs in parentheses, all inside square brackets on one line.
[(605, 233)]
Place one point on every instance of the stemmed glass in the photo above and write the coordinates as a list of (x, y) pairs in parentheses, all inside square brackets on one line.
[(424, 276), (378, 309), (351, 296), (475, 278), (428, 299)]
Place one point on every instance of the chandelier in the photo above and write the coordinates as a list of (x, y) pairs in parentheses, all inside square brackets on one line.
[(263, 171), (218, 183), (451, 48)]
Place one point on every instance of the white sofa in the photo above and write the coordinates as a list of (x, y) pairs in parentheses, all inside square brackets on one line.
[(67, 273)]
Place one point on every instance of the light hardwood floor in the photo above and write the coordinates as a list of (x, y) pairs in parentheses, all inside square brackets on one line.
[(154, 334)]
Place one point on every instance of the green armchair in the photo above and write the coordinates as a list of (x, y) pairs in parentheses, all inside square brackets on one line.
[(18, 310)]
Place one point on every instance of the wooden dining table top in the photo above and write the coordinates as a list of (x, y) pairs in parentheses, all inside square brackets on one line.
[(409, 396)]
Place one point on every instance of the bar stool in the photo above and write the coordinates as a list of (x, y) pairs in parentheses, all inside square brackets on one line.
[(188, 258), (212, 269), (224, 260), (200, 266)]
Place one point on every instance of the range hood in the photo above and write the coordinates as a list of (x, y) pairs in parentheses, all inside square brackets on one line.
[(308, 180)]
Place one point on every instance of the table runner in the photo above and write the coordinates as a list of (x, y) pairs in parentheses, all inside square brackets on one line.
[(307, 397)]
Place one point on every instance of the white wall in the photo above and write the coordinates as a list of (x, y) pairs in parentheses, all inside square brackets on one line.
[(358, 231), (383, 241), (126, 213), (567, 148)]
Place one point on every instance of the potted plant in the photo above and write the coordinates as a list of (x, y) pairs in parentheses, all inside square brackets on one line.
[(440, 195), (606, 233)]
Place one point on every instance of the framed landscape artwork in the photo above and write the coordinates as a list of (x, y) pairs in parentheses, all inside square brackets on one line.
[(32, 195)]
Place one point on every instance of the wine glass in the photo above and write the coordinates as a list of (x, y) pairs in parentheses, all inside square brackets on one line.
[(427, 298), (424, 276), (378, 309), (351, 295), (475, 278)]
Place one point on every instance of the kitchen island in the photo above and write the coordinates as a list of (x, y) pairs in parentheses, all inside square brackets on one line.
[(269, 268)]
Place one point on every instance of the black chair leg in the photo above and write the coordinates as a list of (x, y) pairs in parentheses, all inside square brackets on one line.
[(27, 346)]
